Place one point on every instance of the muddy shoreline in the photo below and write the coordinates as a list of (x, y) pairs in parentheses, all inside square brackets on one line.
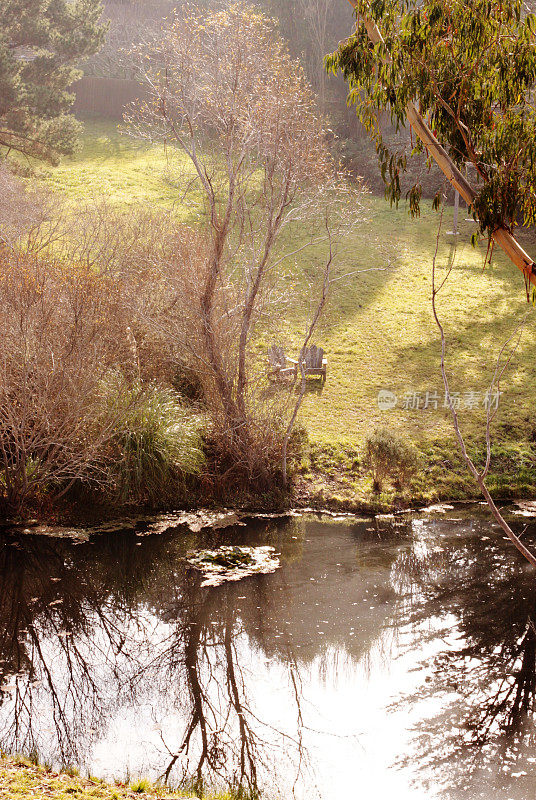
[(227, 518)]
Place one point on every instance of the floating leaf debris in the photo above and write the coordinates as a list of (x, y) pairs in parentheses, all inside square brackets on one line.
[(233, 562)]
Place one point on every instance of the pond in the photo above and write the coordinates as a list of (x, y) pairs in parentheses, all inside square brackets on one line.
[(393, 656)]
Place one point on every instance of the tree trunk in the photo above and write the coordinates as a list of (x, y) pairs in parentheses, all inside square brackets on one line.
[(213, 352)]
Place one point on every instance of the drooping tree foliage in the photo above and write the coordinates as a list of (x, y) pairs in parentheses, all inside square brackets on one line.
[(41, 42), (470, 68)]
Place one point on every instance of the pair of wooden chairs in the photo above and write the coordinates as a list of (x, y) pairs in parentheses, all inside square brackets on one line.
[(314, 364)]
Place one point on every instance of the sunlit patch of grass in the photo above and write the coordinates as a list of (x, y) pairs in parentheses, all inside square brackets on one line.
[(141, 786), (21, 779), (123, 170)]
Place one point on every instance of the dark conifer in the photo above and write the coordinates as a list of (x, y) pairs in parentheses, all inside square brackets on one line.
[(41, 43)]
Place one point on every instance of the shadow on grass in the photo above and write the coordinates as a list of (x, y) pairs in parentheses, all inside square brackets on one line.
[(470, 363)]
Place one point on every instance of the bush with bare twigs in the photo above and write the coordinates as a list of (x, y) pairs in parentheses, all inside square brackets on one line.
[(67, 328), (22, 210), (55, 352)]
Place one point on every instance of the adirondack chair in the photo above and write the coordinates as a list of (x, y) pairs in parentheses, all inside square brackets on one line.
[(279, 365), (314, 363)]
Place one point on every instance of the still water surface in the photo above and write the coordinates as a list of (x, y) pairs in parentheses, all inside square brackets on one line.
[(385, 658)]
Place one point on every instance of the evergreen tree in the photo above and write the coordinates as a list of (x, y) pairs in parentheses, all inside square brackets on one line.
[(41, 42), (469, 68)]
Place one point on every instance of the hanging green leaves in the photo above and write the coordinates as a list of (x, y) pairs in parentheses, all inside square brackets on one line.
[(470, 68)]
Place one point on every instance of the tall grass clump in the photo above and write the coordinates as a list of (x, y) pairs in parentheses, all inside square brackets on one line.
[(156, 445)]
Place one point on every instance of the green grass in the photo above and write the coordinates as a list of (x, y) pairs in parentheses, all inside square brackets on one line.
[(123, 170), (378, 331), (23, 779)]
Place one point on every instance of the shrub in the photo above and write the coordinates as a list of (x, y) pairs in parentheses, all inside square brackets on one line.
[(389, 456), (96, 299), (155, 445), (141, 786), (60, 331)]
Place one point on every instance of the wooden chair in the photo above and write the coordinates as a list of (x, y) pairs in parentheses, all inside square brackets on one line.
[(279, 365), (314, 363)]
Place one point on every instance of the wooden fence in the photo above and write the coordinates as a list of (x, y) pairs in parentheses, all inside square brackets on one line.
[(105, 97)]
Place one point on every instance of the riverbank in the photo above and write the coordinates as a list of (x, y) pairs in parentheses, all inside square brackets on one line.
[(20, 779), (332, 480), (336, 477), (380, 341)]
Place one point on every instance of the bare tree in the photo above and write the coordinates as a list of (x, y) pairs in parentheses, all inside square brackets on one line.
[(126, 22), (303, 382), (223, 89), (318, 16)]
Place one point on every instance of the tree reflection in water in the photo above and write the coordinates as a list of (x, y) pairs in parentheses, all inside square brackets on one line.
[(484, 733), (61, 630), (117, 631), (224, 741), (88, 628)]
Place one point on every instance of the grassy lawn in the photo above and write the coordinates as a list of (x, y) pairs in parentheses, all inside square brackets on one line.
[(378, 331), (123, 170)]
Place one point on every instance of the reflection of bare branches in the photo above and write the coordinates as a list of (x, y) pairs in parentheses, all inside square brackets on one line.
[(222, 742), (412, 571), (515, 695), (486, 675), (297, 690), (55, 625), (248, 769), (62, 675), (200, 704), (85, 639)]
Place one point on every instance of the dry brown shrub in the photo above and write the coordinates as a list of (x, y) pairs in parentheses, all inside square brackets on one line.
[(157, 266), (60, 328), (23, 210)]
